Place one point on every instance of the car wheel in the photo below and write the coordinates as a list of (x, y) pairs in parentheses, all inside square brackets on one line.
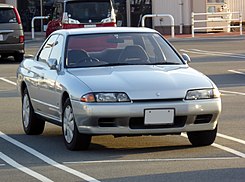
[(4, 56), (18, 57), (31, 123), (72, 138), (202, 138)]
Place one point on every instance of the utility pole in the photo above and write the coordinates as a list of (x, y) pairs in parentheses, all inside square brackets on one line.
[(41, 14)]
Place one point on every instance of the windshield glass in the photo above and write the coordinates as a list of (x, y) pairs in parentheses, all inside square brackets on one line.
[(88, 11), (119, 49)]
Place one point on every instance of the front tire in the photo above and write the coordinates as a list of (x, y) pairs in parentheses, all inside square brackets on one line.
[(31, 123), (18, 57), (72, 138), (202, 138)]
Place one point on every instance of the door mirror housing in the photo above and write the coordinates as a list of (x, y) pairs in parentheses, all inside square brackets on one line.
[(53, 63), (186, 58)]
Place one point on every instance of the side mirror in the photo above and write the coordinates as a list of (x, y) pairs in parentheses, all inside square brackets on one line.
[(52, 63), (186, 58)]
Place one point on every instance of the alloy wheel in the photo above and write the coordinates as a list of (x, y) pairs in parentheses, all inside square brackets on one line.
[(68, 124)]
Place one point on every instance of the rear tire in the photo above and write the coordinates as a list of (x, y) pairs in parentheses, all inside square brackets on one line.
[(202, 138), (72, 138), (18, 57), (31, 123), (4, 56)]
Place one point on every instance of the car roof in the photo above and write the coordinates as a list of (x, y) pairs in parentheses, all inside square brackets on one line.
[(79, 31), (6, 5)]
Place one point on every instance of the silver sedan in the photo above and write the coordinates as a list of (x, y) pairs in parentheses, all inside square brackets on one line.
[(118, 81)]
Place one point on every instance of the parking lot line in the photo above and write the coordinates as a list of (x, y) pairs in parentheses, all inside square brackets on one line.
[(23, 168), (238, 72), (232, 92), (231, 138), (8, 81), (203, 52), (152, 160), (230, 150), (47, 159), (227, 149)]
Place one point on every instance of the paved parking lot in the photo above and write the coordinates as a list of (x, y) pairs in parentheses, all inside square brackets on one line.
[(148, 158)]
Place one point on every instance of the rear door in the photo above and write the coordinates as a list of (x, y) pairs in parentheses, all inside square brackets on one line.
[(9, 26)]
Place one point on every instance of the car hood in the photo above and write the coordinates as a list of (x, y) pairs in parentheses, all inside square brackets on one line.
[(142, 81)]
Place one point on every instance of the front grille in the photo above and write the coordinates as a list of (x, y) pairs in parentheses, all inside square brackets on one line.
[(201, 119), (158, 100), (138, 123)]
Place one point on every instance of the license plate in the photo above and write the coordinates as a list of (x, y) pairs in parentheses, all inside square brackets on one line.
[(1, 37), (89, 26), (159, 116)]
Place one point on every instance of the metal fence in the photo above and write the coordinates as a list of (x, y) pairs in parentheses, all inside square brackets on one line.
[(226, 17)]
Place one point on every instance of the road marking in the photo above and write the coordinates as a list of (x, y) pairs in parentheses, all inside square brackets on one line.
[(230, 150), (8, 81), (238, 72), (23, 168), (2, 165), (152, 160), (227, 149), (203, 52), (47, 159), (231, 92), (231, 138)]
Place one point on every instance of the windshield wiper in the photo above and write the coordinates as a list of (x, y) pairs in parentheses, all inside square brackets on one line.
[(115, 64), (164, 63)]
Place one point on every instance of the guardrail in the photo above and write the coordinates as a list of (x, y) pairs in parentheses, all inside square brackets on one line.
[(32, 23), (216, 17), (159, 15)]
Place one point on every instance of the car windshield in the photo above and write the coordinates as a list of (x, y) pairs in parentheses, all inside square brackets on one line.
[(88, 11), (7, 15), (116, 49)]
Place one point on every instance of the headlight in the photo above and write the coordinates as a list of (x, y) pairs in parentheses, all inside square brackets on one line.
[(105, 97), (202, 94)]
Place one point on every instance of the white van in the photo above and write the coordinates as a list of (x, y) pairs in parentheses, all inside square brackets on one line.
[(81, 14)]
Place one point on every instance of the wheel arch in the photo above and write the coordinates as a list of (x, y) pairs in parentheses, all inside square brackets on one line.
[(23, 86), (64, 97)]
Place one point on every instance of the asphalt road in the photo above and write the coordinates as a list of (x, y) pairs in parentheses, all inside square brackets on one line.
[(137, 159)]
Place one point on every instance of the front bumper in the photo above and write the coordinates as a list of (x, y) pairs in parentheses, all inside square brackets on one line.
[(128, 118)]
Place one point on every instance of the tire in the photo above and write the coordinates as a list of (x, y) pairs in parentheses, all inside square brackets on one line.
[(202, 138), (72, 138), (32, 124), (18, 57), (4, 56)]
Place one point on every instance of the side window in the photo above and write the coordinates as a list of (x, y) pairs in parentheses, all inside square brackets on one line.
[(46, 49), (57, 49)]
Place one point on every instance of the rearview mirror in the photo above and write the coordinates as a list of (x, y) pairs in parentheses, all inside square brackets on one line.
[(186, 58), (52, 63)]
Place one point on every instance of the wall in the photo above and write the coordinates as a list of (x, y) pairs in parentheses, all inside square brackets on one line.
[(237, 5), (179, 9), (12, 2)]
